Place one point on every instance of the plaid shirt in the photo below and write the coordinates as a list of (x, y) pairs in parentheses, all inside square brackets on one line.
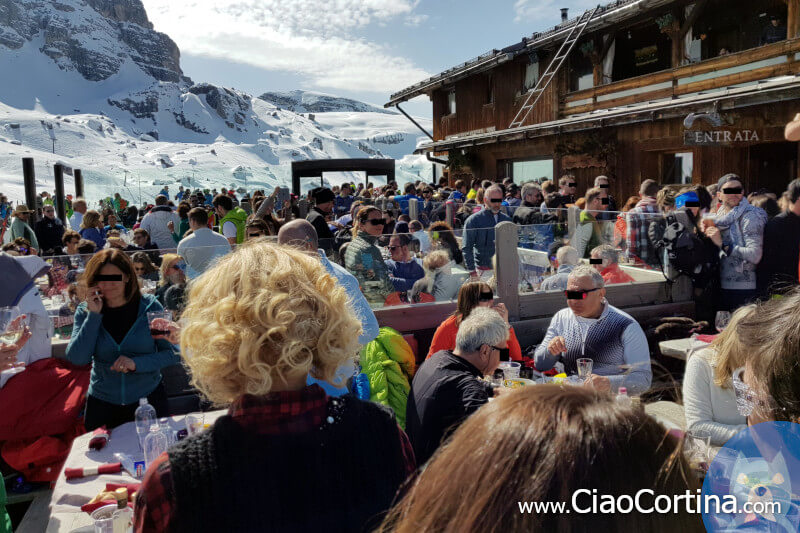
[(279, 413), (636, 239)]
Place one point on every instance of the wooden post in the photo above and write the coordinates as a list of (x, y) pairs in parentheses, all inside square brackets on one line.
[(507, 267), (413, 209), (29, 179), (792, 18), (61, 211)]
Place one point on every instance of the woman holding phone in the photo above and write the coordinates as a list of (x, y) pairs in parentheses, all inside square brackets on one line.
[(112, 333), (471, 295)]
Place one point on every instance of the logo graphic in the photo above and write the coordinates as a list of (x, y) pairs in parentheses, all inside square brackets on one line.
[(753, 483)]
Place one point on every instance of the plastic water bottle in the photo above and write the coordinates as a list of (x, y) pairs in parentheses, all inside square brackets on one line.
[(145, 417), (167, 430), (623, 398), (155, 443)]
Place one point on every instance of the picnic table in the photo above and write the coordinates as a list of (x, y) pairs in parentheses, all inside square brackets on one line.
[(68, 496)]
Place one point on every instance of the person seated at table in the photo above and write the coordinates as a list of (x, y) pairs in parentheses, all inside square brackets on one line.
[(363, 258), (592, 328), (258, 323), (448, 387), (18, 288), (113, 225), (708, 397), (9, 352), (144, 268), (92, 228), (442, 238), (605, 259), (404, 270), (172, 284), (438, 281), (543, 444), (70, 240), (111, 331), (567, 258), (472, 295)]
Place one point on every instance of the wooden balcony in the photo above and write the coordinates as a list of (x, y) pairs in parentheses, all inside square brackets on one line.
[(778, 59)]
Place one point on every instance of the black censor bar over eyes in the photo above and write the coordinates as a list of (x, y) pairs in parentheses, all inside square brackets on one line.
[(692, 203), (595, 261), (603, 186), (604, 201), (732, 190), (579, 295), (108, 277), (573, 184)]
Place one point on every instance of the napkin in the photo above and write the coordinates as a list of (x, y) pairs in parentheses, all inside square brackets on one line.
[(76, 473), (99, 438)]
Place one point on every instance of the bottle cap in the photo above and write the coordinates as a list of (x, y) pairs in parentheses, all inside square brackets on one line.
[(142, 401)]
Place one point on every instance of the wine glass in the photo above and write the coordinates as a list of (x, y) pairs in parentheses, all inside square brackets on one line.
[(722, 320), (12, 324), (584, 368)]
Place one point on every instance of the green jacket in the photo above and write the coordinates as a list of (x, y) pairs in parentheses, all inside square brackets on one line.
[(239, 218), (587, 235), (389, 364), (5, 520), (363, 259), (182, 228), (21, 229)]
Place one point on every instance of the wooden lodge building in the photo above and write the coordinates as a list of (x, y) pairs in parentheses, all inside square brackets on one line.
[(681, 91)]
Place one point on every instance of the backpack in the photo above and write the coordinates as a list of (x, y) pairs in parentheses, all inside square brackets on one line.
[(687, 253)]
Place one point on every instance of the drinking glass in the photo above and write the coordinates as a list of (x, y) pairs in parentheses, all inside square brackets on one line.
[(585, 366), (698, 449), (510, 369), (11, 328), (165, 315), (195, 422), (722, 320)]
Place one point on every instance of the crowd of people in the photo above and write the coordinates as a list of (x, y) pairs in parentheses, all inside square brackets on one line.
[(275, 306)]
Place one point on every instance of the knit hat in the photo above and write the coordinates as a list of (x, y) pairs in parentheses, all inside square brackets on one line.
[(689, 196), (322, 195)]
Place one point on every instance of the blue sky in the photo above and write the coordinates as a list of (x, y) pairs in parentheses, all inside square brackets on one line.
[(362, 49)]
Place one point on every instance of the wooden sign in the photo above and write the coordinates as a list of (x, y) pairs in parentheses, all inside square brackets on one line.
[(721, 136)]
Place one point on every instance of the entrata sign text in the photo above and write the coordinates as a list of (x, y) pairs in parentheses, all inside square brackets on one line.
[(719, 136)]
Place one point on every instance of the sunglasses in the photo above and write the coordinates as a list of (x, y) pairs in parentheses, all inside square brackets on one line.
[(376, 222), (579, 295), (486, 297), (393, 248), (732, 190), (22, 250)]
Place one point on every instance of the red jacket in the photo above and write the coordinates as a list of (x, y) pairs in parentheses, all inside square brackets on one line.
[(614, 274), (445, 339)]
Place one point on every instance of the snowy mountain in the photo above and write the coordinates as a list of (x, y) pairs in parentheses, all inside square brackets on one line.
[(311, 102), (94, 87)]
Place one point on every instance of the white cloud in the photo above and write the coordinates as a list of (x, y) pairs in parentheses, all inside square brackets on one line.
[(312, 38), (548, 12)]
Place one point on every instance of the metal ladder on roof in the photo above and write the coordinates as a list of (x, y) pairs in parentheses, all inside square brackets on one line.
[(544, 80)]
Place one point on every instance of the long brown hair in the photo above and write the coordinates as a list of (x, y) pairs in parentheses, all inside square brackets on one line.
[(112, 256), (469, 296), (541, 444), (362, 216)]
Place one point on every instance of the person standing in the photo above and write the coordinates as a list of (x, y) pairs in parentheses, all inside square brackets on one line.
[(232, 219), (156, 223), (778, 269), (588, 234), (638, 221), (21, 228), (323, 200), (49, 231), (478, 239), (775, 32), (203, 246), (79, 207), (738, 231)]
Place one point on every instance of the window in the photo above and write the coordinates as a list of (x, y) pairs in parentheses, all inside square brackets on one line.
[(677, 168), (531, 76), (490, 89), (537, 169), (451, 102)]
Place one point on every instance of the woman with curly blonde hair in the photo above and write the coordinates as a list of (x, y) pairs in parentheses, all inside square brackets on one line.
[(256, 325)]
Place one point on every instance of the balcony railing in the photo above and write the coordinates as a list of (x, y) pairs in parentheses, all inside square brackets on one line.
[(778, 59)]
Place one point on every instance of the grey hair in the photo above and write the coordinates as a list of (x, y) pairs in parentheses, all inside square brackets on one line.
[(567, 255), (601, 177), (494, 187), (528, 188), (606, 252), (482, 326), (585, 271)]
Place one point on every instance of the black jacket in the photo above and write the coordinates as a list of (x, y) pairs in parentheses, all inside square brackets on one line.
[(778, 266), (445, 391), (324, 233), (527, 214), (49, 233)]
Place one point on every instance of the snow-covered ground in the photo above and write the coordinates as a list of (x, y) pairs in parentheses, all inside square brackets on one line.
[(131, 133)]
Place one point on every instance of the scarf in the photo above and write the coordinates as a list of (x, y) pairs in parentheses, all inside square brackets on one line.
[(725, 221)]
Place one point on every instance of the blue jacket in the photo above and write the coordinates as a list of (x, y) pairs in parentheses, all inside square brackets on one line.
[(403, 275), (95, 235), (477, 242), (91, 343)]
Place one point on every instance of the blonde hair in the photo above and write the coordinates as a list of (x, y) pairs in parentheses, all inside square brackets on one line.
[(166, 261), (265, 313), (729, 350), (90, 219), (436, 259)]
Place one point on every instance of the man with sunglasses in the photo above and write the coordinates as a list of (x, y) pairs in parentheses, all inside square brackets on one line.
[(592, 328), (738, 231), (447, 388), (478, 239), (49, 231), (404, 270)]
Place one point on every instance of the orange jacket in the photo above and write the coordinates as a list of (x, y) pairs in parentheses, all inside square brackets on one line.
[(614, 274), (445, 339)]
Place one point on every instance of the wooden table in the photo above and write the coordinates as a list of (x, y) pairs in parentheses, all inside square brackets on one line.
[(680, 348)]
